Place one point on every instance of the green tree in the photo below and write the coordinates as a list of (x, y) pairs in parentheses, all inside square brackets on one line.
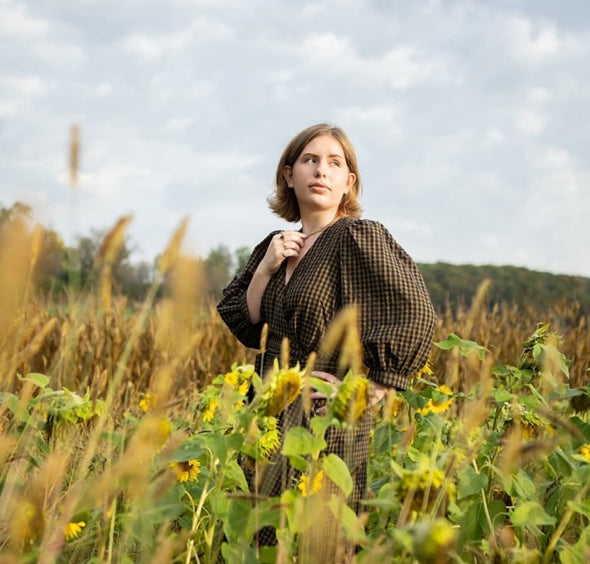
[(130, 279), (242, 255), (218, 269), (51, 267)]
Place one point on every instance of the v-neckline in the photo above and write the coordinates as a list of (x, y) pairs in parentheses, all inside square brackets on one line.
[(286, 279)]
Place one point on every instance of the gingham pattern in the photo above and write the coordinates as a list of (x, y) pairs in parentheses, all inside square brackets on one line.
[(354, 261)]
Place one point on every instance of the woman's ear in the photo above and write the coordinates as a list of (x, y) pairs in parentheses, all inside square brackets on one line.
[(351, 181), (288, 176)]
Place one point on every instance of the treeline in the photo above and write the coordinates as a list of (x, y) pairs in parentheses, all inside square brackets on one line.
[(453, 285), (60, 268)]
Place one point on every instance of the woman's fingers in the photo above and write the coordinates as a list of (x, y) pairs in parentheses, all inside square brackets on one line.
[(288, 244), (283, 245), (326, 377)]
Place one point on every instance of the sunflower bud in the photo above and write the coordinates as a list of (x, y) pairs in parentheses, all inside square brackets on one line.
[(352, 399), (281, 390)]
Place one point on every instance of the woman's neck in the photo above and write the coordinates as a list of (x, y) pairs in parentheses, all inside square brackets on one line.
[(316, 224)]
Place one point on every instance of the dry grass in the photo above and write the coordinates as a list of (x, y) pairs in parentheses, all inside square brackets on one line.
[(80, 347), (171, 348), (88, 341)]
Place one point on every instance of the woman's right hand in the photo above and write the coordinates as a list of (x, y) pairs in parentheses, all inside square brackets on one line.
[(283, 245)]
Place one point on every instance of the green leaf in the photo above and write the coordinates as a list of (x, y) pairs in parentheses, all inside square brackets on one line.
[(465, 347), (264, 514), (470, 483), (349, 519), (299, 441), (337, 470), (238, 553), (582, 426), (501, 396), (40, 380), (531, 514), (187, 450), (235, 524), (582, 508), (234, 475), (322, 386), (573, 555), (521, 485), (576, 554)]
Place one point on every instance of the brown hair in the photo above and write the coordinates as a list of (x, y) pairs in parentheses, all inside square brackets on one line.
[(283, 201)]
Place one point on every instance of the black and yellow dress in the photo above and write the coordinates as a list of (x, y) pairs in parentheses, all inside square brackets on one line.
[(354, 261)]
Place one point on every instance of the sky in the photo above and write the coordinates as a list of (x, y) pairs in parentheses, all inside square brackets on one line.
[(470, 118)]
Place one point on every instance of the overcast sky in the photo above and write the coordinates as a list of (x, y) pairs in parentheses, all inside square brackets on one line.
[(471, 119)]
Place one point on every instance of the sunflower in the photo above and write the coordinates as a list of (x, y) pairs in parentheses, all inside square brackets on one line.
[(281, 390), (424, 484), (436, 406), (352, 399), (73, 530), (210, 411), (187, 471), (148, 402), (269, 440), (316, 484)]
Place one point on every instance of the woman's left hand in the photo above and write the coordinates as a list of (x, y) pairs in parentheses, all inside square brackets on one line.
[(319, 396), (377, 391)]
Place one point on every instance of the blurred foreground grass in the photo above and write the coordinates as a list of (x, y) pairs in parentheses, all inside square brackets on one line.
[(121, 429)]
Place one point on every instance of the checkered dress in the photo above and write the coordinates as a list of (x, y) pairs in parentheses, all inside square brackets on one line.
[(354, 261)]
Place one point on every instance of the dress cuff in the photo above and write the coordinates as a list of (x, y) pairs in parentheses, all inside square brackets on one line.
[(389, 379)]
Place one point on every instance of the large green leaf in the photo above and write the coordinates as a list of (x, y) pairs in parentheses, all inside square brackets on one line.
[(236, 522), (520, 485), (530, 514), (40, 380), (337, 470), (470, 482), (582, 508), (299, 442), (239, 553), (465, 347)]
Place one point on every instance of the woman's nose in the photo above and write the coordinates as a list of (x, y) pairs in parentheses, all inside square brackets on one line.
[(321, 168)]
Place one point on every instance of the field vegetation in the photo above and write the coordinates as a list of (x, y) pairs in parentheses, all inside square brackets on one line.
[(124, 425)]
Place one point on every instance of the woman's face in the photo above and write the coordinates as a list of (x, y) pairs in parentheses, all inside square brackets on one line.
[(320, 175)]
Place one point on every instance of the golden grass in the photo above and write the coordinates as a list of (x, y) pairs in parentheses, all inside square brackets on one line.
[(82, 345), (171, 349)]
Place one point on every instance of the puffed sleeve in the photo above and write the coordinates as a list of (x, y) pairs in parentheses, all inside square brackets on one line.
[(396, 316), (233, 307)]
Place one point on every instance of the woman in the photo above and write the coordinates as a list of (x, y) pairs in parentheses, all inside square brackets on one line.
[(296, 281)]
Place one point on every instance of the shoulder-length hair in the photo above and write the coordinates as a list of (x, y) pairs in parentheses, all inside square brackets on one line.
[(283, 201)]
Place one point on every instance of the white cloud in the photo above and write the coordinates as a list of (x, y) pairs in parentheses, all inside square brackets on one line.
[(530, 121), (557, 174), (59, 53), (148, 48), (16, 21), (22, 85), (535, 42), (400, 67), (103, 89), (405, 66), (375, 116), (494, 136), (19, 92)]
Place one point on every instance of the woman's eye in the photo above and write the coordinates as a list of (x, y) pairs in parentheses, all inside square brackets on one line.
[(335, 163)]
